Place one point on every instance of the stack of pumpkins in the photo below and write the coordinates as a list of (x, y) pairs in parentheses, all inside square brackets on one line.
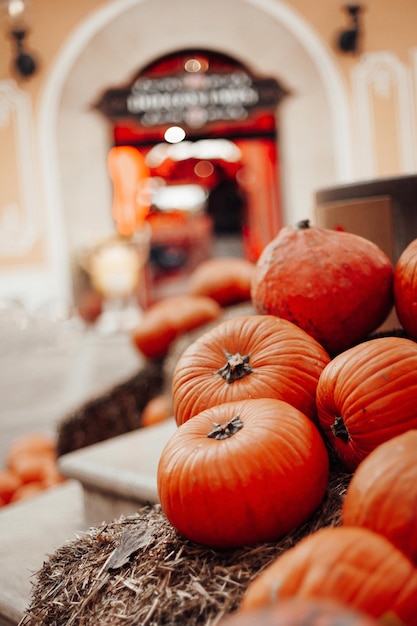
[(260, 399)]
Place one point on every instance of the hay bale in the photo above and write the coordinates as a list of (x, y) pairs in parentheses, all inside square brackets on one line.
[(139, 570), (113, 413)]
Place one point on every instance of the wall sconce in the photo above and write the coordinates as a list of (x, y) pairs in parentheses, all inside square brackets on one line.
[(348, 39), (24, 63)]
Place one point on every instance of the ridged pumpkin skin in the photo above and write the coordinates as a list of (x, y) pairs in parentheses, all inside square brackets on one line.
[(257, 484), (250, 356), (335, 285), (301, 612), (382, 494), (346, 564), (405, 289), (367, 395)]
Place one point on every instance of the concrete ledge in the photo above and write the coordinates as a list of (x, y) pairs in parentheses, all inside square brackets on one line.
[(31, 530)]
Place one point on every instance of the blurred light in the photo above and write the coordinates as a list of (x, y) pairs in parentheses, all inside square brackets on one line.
[(15, 9), (204, 169), (205, 149), (196, 65), (174, 134), (184, 197)]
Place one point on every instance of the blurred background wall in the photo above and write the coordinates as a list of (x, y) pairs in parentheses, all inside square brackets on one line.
[(349, 116)]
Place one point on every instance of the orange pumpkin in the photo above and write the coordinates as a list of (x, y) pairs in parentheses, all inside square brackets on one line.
[(225, 279), (158, 409), (351, 565), (9, 483), (31, 443), (335, 285), (31, 467), (29, 490), (405, 289), (301, 612), (163, 321), (242, 472), (249, 356), (382, 494), (366, 395)]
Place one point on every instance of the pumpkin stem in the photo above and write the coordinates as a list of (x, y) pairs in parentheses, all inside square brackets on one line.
[(339, 429), (237, 366), (226, 430), (303, 225)]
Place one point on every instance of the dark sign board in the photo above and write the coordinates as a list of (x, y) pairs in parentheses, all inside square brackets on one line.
[(191, 99)]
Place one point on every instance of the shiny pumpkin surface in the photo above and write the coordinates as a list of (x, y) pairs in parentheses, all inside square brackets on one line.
[(382, 494), (367, 395), (257, 484), (346, 564), (282, 361), (405, 289), (301, 612), (335, 285)]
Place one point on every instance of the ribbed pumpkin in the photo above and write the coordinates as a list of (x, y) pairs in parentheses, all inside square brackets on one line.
[(250, 356), (382, 494), (351, 565), (335, 285), (242, 472), (405, 289), (367, 395), (301, 612)]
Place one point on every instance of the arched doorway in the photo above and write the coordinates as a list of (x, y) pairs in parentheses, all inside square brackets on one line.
[(208, 130), (267, 35)]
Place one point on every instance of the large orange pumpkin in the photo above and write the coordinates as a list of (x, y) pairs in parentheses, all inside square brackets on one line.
[(405, 289), (346, 564), (300, 612), (382, 494), (242, 472), (335, 285), (249, 356), (367, 395)]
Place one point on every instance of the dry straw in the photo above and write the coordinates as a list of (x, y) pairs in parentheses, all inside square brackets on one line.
[(138, 571)]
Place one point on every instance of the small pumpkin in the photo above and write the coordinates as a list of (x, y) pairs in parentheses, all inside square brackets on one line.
[(248, 356), (346, 564), (366, 395), (225, 279), (9, 483), (300, 612), (166, 319), (157, 410), (382, 494), (405, 289), (335, 285), (242, 472)]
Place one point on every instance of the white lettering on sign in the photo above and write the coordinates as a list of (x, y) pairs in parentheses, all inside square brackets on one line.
[(172, 99)]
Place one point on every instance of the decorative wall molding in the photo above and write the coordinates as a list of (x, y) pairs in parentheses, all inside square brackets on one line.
[(382, 74), (19, 221)]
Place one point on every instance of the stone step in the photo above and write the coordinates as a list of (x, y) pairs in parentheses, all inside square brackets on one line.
[(29, 531), (118, 475)]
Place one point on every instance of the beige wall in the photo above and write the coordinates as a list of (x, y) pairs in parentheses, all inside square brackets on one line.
[(349, 118)]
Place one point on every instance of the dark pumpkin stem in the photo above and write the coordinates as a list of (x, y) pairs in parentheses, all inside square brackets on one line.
[(303, 224), (226, 430), (339, 429), (236, 367)]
